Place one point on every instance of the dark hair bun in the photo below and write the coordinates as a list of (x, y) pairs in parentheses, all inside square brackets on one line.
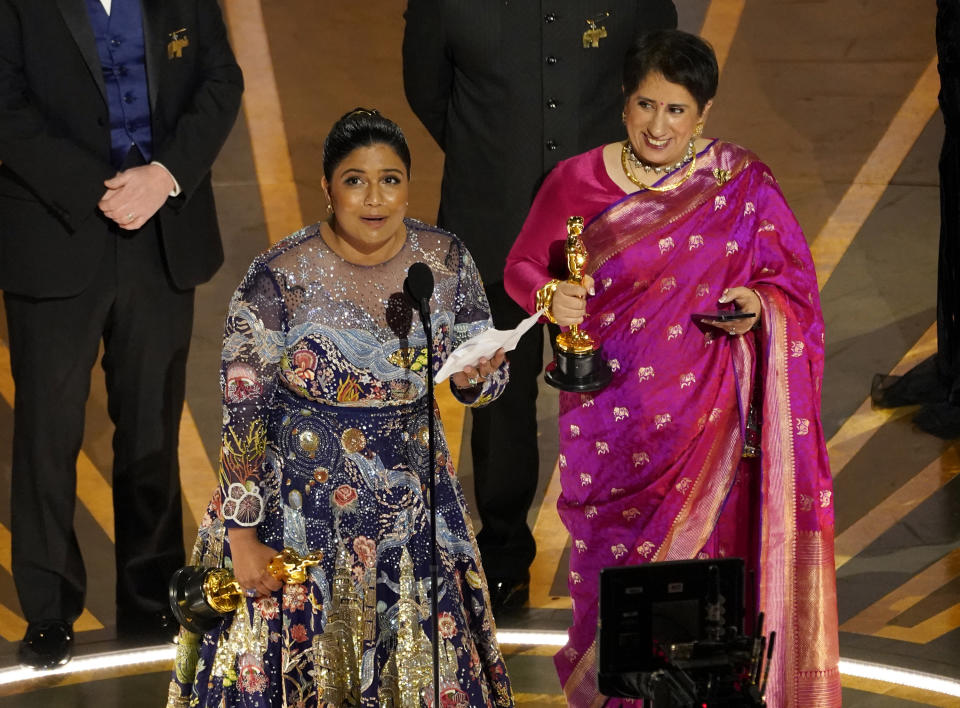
[(362, 127)]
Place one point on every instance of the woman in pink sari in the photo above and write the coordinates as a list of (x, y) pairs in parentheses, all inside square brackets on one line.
[(708, 441)]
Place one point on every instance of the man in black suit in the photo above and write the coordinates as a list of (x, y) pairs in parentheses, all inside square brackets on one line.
[(111, 115), (508, 89), (935, 382)]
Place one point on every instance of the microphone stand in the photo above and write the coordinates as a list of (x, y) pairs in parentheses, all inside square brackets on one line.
[(418, 286), (434, 561), (424, 308)]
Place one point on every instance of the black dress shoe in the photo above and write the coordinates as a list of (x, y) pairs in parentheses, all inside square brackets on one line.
[(923, 384), (46, 645), (508, 596)]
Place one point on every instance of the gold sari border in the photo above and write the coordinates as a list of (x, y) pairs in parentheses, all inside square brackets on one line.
[(778, 526), (817, 604), (693, 525), (580, 689)]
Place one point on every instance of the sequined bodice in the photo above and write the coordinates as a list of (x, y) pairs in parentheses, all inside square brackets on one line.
[(340, 333), (308, 333)]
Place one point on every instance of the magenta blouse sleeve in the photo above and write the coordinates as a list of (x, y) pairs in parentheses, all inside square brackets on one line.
[(537, 254)]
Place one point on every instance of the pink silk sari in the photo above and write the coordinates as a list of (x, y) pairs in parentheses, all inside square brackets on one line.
[(651, 467)]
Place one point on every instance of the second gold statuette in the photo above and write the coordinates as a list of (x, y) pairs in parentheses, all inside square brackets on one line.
[(202, 597)]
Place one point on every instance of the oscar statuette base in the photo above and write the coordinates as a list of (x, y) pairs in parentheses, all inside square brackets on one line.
[(578, 373)]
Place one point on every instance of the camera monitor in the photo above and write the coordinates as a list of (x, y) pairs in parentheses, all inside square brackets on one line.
[(643, 607)]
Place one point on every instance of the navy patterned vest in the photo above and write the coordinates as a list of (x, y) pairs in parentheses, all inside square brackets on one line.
[(120, 45)]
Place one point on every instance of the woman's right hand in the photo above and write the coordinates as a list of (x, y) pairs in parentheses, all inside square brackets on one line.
[(570, 302), (250, 559)]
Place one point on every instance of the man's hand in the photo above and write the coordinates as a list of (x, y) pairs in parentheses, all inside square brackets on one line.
[(134, 196)]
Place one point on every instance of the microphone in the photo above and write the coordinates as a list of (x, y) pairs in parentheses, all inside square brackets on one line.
[(418, 286)]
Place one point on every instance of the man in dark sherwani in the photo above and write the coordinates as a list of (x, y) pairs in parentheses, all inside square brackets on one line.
[(508, 89)]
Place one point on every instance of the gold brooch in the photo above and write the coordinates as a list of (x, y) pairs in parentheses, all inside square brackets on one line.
[(593, 34), (178, 40), (723, 176)]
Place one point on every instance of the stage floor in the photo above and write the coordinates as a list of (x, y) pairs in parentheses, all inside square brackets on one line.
[(838, 97)]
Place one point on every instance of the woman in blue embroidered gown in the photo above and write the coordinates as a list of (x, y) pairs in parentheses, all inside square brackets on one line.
[(324, 448)]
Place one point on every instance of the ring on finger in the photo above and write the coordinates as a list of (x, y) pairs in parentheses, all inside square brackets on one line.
[(473, 380)]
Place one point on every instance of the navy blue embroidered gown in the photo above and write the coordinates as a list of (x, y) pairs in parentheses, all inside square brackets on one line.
[(324, 448)]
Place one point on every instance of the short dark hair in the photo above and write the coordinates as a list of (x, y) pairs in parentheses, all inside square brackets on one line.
[(362, 127), (680, 57)]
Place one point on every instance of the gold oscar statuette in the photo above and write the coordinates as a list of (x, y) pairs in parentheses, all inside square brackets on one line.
[(579, 365), (201, 597)]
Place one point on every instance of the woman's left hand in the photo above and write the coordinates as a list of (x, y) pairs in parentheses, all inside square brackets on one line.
[(472, 376), (746, 300)]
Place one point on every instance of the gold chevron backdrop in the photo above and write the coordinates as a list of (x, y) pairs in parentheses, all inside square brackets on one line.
[(838, 97)]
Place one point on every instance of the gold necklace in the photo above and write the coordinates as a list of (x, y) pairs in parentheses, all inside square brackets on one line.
[(627, 152)]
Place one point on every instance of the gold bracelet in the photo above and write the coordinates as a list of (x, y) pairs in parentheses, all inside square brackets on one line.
[(545, 299)]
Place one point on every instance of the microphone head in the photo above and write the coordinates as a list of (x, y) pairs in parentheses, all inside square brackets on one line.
[(418, 285)]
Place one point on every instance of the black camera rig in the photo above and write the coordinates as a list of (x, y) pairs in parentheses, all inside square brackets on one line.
[(672, 634)]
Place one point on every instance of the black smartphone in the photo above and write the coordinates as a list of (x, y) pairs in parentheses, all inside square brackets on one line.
[(723, 315)]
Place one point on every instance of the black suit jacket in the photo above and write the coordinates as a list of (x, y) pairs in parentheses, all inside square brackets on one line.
[(55, 139), (507, 90)]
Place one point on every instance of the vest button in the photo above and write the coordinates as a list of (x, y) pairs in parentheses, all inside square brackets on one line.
[(552, 103), (552, 145), (551, 60), (115, 42), (128, 97), (550, 17)]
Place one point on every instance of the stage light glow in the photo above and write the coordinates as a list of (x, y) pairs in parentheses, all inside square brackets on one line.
[(902, 677), (155, 658), (532, 636), (93, 663)]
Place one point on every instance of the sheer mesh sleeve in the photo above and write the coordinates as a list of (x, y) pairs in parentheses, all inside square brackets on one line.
[(471, 317), (253, 346)]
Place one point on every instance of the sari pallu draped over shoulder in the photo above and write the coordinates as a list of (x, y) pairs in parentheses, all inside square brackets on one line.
[(652, 468)]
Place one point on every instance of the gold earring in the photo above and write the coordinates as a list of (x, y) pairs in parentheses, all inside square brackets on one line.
[(623, 117), (329, 208), (698, 131)]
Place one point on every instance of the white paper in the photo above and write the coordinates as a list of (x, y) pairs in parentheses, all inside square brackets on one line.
[(484, 346)]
